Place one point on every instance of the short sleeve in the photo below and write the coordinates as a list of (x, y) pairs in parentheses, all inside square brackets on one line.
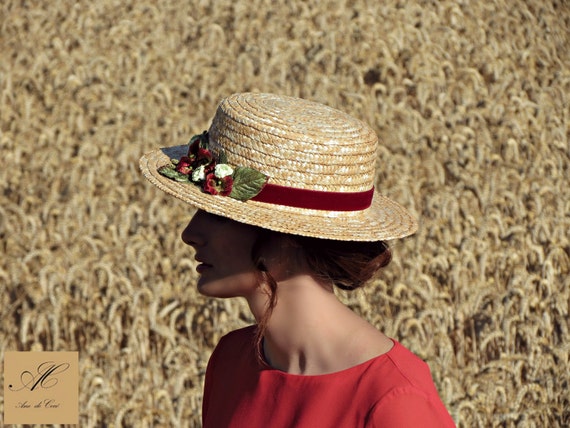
[(405, 408)]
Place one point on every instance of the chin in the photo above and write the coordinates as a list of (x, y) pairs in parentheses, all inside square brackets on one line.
[(213, 289), (205, 291), (236, 286)]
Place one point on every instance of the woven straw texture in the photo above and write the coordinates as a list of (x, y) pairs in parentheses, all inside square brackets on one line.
[(298, 144), (470, 101)]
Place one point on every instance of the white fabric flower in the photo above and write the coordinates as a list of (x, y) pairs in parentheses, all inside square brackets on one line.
[(223, 170), (198, 174)]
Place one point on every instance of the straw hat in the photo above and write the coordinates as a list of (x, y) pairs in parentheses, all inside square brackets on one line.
[(312, 165)]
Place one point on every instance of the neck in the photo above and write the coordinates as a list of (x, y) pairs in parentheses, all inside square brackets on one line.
[(305, 326)]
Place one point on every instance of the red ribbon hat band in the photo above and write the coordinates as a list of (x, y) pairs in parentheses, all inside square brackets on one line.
[(315, 199)]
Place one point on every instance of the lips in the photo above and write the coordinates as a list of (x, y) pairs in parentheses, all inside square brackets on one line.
[(201, 268), (202, 265)]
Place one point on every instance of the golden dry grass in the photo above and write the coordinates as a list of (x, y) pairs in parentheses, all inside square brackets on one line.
[(471, 100)]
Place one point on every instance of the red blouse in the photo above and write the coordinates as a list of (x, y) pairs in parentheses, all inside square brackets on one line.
[(392, 390)]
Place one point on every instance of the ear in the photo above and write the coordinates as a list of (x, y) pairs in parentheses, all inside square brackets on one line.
[(282, 256)]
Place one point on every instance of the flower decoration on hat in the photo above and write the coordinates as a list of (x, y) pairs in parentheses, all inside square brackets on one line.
[(212, 173)]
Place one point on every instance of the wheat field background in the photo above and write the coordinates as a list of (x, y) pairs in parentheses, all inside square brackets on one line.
[(469, 98)]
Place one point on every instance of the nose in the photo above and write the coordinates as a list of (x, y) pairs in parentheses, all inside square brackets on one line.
[(191, 234)]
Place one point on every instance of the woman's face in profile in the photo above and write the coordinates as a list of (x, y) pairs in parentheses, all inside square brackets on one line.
[(223, 252)]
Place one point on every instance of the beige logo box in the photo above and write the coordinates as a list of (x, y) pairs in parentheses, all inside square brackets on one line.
[(41, 387)]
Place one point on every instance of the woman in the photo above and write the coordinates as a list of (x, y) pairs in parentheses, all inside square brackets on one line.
[(287, 211)]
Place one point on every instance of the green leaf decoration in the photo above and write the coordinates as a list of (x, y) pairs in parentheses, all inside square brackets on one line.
[(182, 178), (247, 183), (170, 172), (222, 157), (194, 138)]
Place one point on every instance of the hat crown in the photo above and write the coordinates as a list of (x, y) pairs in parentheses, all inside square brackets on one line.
[(297, 143)]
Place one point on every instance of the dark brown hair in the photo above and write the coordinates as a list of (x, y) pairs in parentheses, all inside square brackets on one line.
[(347, 265)]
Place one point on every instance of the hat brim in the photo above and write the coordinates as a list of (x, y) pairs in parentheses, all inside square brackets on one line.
[(383, 220)]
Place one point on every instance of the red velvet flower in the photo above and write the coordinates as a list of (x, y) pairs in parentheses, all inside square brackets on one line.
[(204, 156), (227, 184), (211, 184), (199, 154), (193, 149), (209, 168), (184, 165), (218, 186)]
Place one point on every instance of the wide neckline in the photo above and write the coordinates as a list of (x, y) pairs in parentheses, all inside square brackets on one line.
[(266, 367)]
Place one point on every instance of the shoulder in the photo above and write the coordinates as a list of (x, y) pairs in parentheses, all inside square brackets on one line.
[(413, 370), (410, 397), (245, 334), (399, 368), (233, 356), (396, 370), (240, 342), (409, 407)]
